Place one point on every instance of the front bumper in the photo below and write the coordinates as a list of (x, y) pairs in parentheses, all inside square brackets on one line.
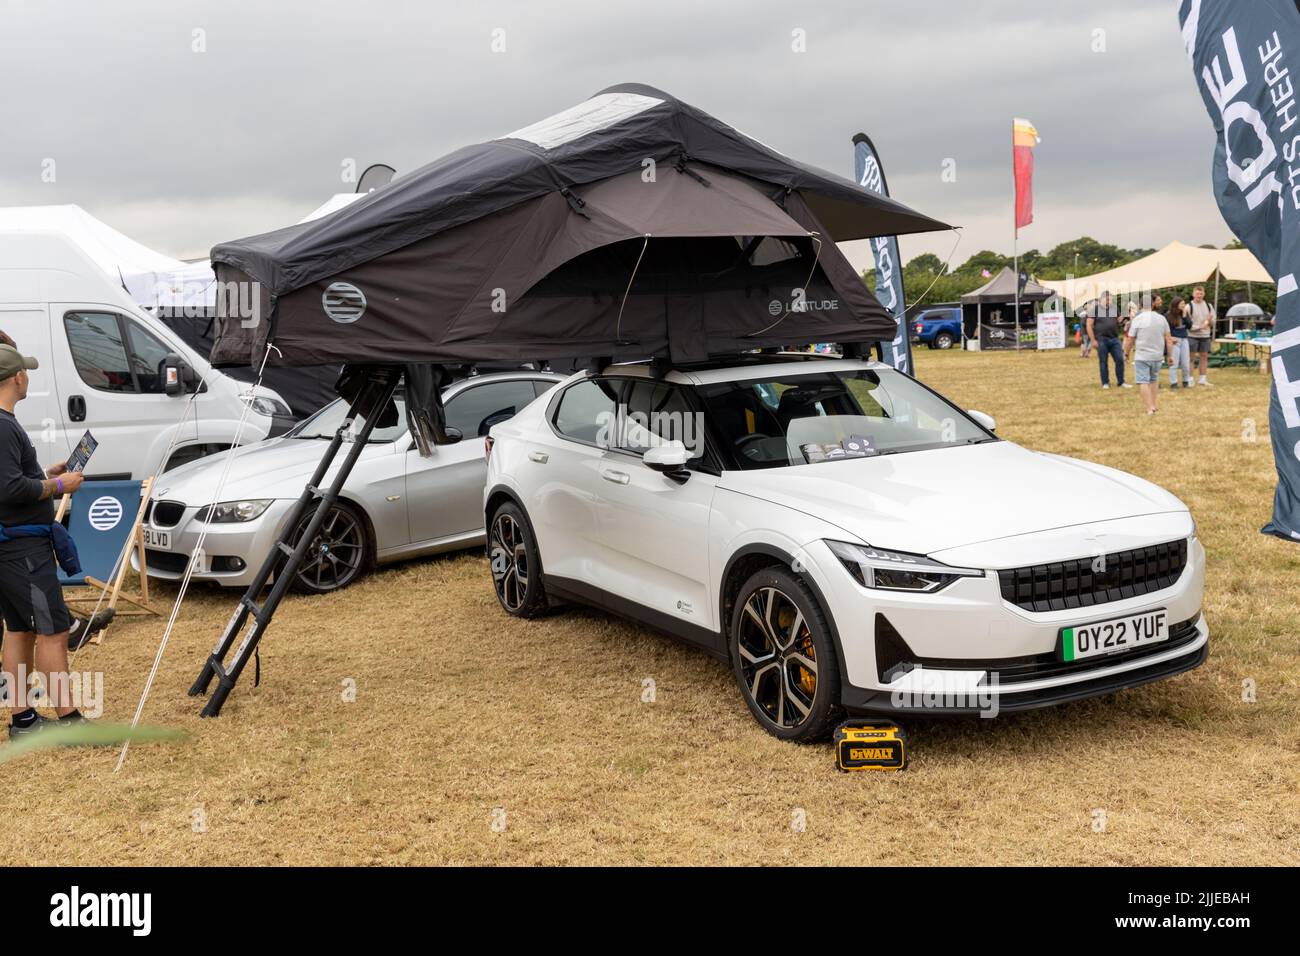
[(247, 541), (967, 650)]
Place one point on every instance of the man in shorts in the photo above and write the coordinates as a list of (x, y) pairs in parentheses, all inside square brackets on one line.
[(1200, 331), (36, 619), (1148, 341)]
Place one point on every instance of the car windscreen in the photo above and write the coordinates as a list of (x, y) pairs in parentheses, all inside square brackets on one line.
[(809, 418), (327, 421)]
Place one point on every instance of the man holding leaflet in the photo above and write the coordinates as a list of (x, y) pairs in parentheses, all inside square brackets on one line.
[(31, 599)]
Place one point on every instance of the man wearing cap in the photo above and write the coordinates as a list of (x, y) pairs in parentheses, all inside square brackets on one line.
[(31, 599)]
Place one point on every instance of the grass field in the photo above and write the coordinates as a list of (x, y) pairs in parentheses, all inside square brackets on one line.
[(478, 739)]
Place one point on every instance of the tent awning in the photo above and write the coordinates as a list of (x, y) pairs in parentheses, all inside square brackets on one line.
[(1176, 264)]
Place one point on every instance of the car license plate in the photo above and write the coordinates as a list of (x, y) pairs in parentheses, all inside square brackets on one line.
[(157, 539), (1114, 636)]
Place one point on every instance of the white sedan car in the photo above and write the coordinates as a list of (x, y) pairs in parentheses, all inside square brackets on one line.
[(848, 539), (395, 504)]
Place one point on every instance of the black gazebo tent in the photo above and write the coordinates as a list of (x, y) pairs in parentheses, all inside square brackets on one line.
[(1001, 290)]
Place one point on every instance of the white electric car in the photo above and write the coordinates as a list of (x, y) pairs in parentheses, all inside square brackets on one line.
[(846, 537)]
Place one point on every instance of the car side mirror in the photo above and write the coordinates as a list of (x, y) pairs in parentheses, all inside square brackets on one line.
[(988, 421), (668, 459)]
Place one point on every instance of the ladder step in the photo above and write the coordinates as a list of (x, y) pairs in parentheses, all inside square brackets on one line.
[(253, 609), (284, 548)]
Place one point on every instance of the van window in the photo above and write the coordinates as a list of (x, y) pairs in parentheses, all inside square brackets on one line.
[(109, 362), (98, 352)]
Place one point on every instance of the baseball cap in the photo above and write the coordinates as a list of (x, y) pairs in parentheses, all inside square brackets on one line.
[(12, 362)]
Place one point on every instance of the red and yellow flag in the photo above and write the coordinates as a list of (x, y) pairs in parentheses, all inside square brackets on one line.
[(1023, 140)]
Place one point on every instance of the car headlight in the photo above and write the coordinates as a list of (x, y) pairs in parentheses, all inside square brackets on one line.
[(226, 512), (896, 570), (265, 405)]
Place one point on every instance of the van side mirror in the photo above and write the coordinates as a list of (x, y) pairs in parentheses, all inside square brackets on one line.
[(669, 459), (173, 374), (988, 421)]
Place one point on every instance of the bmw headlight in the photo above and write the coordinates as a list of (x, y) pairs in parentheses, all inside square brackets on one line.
[(226, 512), (896, 570), (265, 405)]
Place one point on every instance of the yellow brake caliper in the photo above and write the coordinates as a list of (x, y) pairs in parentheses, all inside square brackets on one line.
[(807, 679)]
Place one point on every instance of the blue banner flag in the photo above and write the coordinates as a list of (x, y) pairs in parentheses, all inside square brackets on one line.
[(889, 271), (1246, 59)]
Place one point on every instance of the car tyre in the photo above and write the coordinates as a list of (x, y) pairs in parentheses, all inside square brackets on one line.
[(783, 657), (943, 340), (515, 563), (341, 552)]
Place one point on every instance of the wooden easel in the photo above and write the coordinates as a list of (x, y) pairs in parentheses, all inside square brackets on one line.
[(135, 542)]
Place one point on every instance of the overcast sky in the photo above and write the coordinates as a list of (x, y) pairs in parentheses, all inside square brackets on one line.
[(182, 139)]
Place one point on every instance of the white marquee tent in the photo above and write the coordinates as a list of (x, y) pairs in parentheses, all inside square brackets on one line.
[(1177, 264)]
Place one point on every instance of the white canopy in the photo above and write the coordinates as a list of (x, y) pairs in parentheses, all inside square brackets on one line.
[(1175, 265), (152, 279)]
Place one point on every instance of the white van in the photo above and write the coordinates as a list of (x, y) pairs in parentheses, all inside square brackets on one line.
[(104, 368)]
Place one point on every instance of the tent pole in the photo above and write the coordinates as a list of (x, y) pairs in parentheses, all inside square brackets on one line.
[(1215, 321), (1015, 258)]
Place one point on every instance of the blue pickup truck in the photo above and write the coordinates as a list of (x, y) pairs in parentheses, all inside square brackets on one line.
[(938, 327)]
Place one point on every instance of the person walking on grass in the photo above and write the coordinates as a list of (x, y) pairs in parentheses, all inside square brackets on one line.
[(1103, 331), (1181, 359), (1148, 341), (1200, 331), (36, 619)]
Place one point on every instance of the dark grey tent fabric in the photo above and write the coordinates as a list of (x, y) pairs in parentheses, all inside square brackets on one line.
[(563, 239), (1002, 288)]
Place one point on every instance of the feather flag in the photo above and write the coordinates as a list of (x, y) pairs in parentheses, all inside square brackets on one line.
[(1023, 140)]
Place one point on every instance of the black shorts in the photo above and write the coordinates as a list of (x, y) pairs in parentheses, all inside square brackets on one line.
[(1195, 344), (31, 597)]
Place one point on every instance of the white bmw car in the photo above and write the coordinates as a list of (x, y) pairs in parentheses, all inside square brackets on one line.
[(848, 539)]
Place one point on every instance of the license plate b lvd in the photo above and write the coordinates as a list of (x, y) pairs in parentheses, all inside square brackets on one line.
[(1114, 635)]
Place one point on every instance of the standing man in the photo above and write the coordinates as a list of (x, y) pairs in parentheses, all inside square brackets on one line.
[(31, 598), (1149, 341), (1201, 331), (1103, 332)]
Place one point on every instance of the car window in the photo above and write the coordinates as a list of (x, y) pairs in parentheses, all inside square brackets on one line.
[(477, 408), (327, 421), (656, 412), (95, 339), (586, 411)]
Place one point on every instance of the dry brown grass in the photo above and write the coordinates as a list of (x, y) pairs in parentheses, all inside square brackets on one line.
[(461, 709)]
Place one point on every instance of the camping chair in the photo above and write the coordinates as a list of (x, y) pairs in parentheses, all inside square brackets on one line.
[(106, 525)]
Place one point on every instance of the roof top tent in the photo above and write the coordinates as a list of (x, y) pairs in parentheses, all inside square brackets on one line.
[(630, 226), (989, 313)]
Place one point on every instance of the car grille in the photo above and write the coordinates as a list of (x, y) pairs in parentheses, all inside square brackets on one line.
[(1073, 584), (168, 561), (164, 514)]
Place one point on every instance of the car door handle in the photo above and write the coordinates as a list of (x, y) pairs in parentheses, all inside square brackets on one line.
[(618, 477), (539, 456), (77, 408)]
